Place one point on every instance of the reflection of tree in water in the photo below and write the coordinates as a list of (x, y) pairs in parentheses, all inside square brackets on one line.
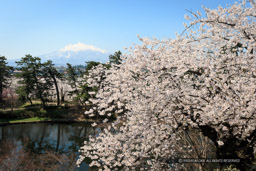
[(81, 134), (67, 139), (49, 139), (14, 158)]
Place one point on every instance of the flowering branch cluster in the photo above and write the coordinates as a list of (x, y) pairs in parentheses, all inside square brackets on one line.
[(203, 79)]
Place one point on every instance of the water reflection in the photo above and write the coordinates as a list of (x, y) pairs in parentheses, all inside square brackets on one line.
[(42, 137)]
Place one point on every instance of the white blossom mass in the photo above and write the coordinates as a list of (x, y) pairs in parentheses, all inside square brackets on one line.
[(204, 79)]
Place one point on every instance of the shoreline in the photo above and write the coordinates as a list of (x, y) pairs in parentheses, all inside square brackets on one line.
[(5, 123)]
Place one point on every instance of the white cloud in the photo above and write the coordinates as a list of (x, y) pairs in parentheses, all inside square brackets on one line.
[(81, 47)]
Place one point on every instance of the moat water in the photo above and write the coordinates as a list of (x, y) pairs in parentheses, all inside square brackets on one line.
[(38, 138)]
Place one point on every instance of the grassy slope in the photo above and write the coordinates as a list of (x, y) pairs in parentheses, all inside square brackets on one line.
[(34, 113)]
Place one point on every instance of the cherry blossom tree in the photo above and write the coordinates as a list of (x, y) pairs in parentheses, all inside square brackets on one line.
[(10, 98), (204, 79)]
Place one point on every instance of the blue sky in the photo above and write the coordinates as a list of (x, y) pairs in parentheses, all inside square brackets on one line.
[(39, 27)]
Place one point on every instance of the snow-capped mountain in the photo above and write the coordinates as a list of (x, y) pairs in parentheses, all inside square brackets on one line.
[(76, 54)]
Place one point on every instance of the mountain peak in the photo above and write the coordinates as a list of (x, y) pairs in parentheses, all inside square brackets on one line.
[(76, 54), (81, 47)]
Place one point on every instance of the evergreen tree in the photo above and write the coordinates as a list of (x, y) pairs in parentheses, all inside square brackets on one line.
[(32, 78), (5, 74), (116, 58), (51, 75)]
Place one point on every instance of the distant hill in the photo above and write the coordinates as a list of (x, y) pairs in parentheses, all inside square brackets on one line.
[(75, 54)]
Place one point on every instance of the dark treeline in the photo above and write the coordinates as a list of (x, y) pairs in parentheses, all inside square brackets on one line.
[(39, 80)]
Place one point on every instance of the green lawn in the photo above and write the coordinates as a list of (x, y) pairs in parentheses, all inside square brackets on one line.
[(35, 113), (33, 119)]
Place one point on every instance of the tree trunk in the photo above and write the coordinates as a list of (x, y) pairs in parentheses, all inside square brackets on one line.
[(41, 97), (29, 99), (39, 92), (63, 98), (62, 95), (57, 89)]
